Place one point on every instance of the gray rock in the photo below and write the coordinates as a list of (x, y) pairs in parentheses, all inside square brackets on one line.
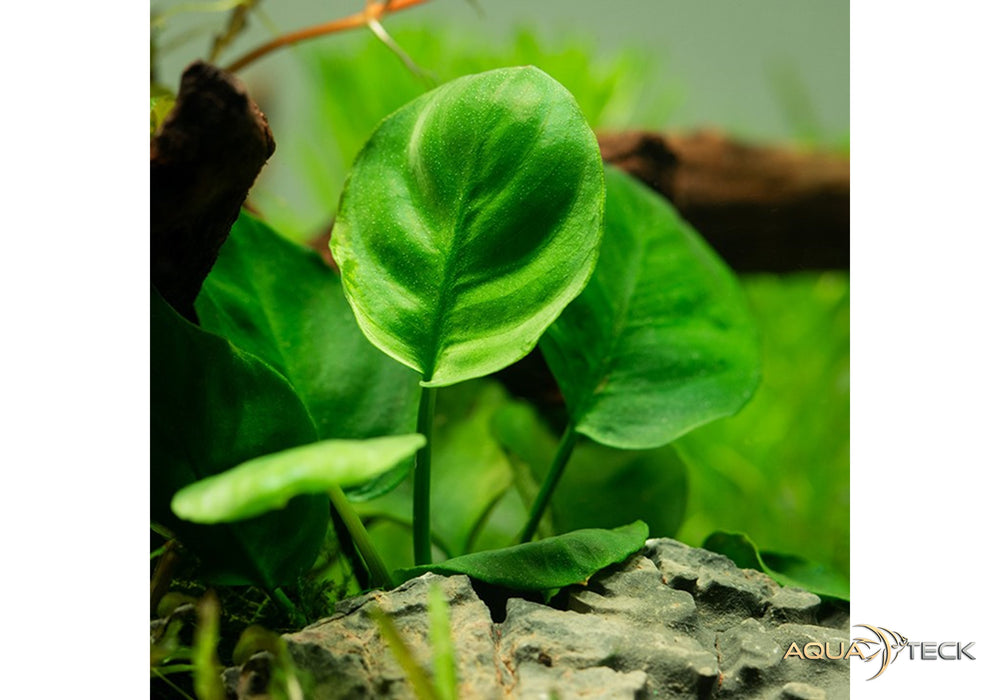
[(345, 656), (670, 622), (802, 691)]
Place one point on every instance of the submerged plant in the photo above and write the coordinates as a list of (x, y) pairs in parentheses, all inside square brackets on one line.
[(477, 222)]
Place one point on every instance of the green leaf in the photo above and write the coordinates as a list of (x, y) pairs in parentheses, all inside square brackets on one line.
[(280, 302), (469, 221), (546, 564), (786, 569), (602, 487), (214, 406), (269, 482), (660, 341)]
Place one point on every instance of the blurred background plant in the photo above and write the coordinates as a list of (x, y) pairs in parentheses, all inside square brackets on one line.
[(775, 71)]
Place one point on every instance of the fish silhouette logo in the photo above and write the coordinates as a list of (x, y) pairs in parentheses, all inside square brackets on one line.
[(886, 646)]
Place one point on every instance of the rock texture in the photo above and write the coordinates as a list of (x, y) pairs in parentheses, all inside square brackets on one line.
[(670, 622)]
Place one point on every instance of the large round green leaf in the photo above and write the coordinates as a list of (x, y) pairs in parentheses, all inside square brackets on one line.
[(469, 221), (661, 340)]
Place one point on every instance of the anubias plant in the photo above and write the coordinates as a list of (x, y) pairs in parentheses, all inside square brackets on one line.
[(477, 222)]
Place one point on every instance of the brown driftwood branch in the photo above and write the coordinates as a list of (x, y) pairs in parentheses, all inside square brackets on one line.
[(762, 208), (202, 163)]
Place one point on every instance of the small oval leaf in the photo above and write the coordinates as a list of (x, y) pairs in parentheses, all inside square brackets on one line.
[(468, 222), (546, 564), (661, 340), (269, 482)]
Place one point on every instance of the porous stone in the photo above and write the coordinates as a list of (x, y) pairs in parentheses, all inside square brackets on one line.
[(672, 621), (345, 657), (793, 605), (801, 691)]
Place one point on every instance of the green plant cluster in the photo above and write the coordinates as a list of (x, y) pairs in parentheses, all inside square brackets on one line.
[(477, 222)]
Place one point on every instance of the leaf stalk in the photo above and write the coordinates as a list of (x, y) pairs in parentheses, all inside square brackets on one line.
[(379, 574), (563, 452), (422, 480)]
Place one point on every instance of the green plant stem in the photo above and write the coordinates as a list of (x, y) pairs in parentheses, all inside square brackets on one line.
[(278, 596), (422, 481), (380, 575), (566, 444), (357, 565)]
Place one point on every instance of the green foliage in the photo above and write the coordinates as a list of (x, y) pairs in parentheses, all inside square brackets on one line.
[(660, 341), (470, 224), (462, 495), (786, 453), (548, 564), (470, 219), (270, 482), (787, 570), (308, 333), (469, 228), (213, 407)]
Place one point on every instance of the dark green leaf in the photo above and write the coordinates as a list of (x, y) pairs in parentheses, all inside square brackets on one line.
[(602, 487), (660, 341), (280, 302), (267, 483), (546, 564), (469, 221), (214, 406), (786, 569)]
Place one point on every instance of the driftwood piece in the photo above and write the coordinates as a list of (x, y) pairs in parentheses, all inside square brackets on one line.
[(762, 208), (202, 163)]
